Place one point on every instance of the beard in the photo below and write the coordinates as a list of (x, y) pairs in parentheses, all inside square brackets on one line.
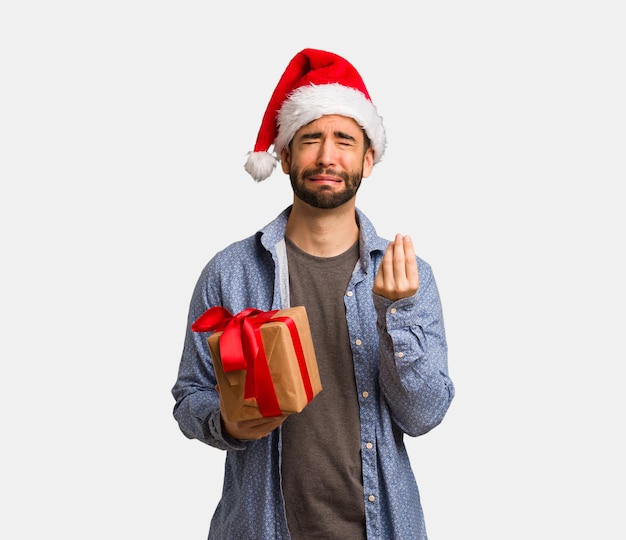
[(324, 196)]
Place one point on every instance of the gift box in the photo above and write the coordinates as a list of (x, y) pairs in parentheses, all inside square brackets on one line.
[(264, 361)]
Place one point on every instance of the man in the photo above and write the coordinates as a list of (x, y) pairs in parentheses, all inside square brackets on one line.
[(338, 469)]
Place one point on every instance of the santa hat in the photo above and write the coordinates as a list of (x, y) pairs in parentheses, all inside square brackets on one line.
[(315, 83)]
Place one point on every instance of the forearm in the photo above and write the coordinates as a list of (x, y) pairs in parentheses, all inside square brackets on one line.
[(413, 370), (197, 408), (199, 418)]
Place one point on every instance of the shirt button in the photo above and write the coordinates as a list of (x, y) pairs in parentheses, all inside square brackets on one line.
[(349, 293), (365, 393), (393, 310), (371, 498), (400, 354), (358, 342), (369, 445)]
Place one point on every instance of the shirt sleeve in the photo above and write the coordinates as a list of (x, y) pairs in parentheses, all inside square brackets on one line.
[(197, 408), (413, 357)]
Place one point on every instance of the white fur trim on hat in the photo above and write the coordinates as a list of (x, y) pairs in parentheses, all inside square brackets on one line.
[(308, 103)]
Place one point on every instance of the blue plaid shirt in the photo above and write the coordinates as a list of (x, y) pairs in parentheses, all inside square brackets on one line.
[(400, 365)]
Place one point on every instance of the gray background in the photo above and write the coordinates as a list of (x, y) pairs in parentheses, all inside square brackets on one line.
[(124, 127)]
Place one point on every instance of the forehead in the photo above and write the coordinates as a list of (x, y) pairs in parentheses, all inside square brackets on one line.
[(332, 123)]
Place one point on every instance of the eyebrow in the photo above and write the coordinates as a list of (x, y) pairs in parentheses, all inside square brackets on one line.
[(318, 134)]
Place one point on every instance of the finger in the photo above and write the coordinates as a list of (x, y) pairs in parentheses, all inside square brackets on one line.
[(399, 260), (265, 428), (255, 428), (385, 269), (261, 423), (410, 263)]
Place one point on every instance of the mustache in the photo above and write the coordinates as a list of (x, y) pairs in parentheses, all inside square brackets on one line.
[(306, 173)]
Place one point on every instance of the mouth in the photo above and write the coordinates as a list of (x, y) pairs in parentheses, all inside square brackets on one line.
[(324, 180)]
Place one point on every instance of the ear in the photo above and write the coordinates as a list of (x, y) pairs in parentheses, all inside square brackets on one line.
[(368, 162), (285, 160)]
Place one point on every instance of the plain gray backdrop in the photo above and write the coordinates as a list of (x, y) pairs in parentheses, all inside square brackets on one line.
[(124, 127)]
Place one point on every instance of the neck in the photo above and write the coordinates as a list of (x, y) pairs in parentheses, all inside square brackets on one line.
[(322, 233)]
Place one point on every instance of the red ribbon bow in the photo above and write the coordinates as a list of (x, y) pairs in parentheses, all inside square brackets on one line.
[(241, 347)]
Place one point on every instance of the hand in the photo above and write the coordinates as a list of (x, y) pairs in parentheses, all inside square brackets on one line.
[(254, 429), (397, 275)]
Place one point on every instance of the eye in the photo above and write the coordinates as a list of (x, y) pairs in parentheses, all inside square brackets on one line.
[(309, 140)]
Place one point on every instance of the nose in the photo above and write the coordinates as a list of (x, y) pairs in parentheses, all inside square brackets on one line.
[(327, 155)]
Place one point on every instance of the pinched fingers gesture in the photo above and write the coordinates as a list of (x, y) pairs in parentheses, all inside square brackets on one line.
[(397, 275)]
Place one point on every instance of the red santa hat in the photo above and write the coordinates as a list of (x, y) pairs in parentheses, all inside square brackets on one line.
[(315, 83)]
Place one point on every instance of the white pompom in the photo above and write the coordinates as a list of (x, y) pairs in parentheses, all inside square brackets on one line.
[(260, 165)]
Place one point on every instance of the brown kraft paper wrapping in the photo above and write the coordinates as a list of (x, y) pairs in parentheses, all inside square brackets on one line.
[(283, 366)]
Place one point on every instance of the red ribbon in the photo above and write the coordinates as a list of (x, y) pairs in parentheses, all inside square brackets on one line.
[(241, 347)]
